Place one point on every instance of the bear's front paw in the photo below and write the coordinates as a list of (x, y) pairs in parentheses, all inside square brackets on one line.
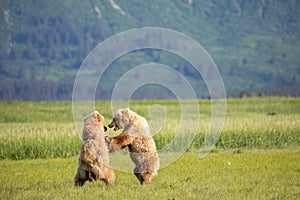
[(107, 139)]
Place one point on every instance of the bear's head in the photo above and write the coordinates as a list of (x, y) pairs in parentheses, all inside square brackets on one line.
[(122, 119), (95, 118)]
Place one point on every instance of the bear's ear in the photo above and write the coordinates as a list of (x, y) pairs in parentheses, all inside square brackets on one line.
[(99, 117), (125, 110)]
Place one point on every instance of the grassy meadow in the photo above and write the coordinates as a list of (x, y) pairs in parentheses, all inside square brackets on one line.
[(256, 157)]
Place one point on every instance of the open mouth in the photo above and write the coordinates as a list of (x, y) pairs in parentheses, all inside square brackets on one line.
[(114, 124), (116, 128)]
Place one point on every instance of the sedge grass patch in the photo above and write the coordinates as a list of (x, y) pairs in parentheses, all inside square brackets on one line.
[(30, 130)]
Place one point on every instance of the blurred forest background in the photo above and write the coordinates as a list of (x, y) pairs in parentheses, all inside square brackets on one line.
[(255, 44)]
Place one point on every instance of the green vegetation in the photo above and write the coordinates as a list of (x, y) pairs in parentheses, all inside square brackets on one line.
[(254, 174), (46, 129), (256, 157), (255, 44)]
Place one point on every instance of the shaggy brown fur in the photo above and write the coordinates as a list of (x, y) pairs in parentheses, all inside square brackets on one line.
[(137, 138), (93, 162)]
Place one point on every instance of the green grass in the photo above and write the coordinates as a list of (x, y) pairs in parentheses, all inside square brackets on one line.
[(38, 140), (250, 174), (256, 157), (46, 129)]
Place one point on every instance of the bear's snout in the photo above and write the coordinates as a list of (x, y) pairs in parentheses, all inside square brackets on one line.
[(111, 124)]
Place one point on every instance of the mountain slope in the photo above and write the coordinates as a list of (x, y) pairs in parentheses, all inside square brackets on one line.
[(254, 44)]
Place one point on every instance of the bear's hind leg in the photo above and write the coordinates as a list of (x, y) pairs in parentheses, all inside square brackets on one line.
[(92, 176), (103, 172), (81, 177), (137, 173), (109, 176), (146, 177)]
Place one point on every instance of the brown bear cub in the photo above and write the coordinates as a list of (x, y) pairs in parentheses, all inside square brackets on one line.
[(93, 162), (136, 136)]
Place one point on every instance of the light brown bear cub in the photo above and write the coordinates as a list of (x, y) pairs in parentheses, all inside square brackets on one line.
[(93, 162), (137, 137)]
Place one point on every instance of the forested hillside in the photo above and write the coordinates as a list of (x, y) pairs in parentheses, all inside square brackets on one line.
[(255, 44)]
